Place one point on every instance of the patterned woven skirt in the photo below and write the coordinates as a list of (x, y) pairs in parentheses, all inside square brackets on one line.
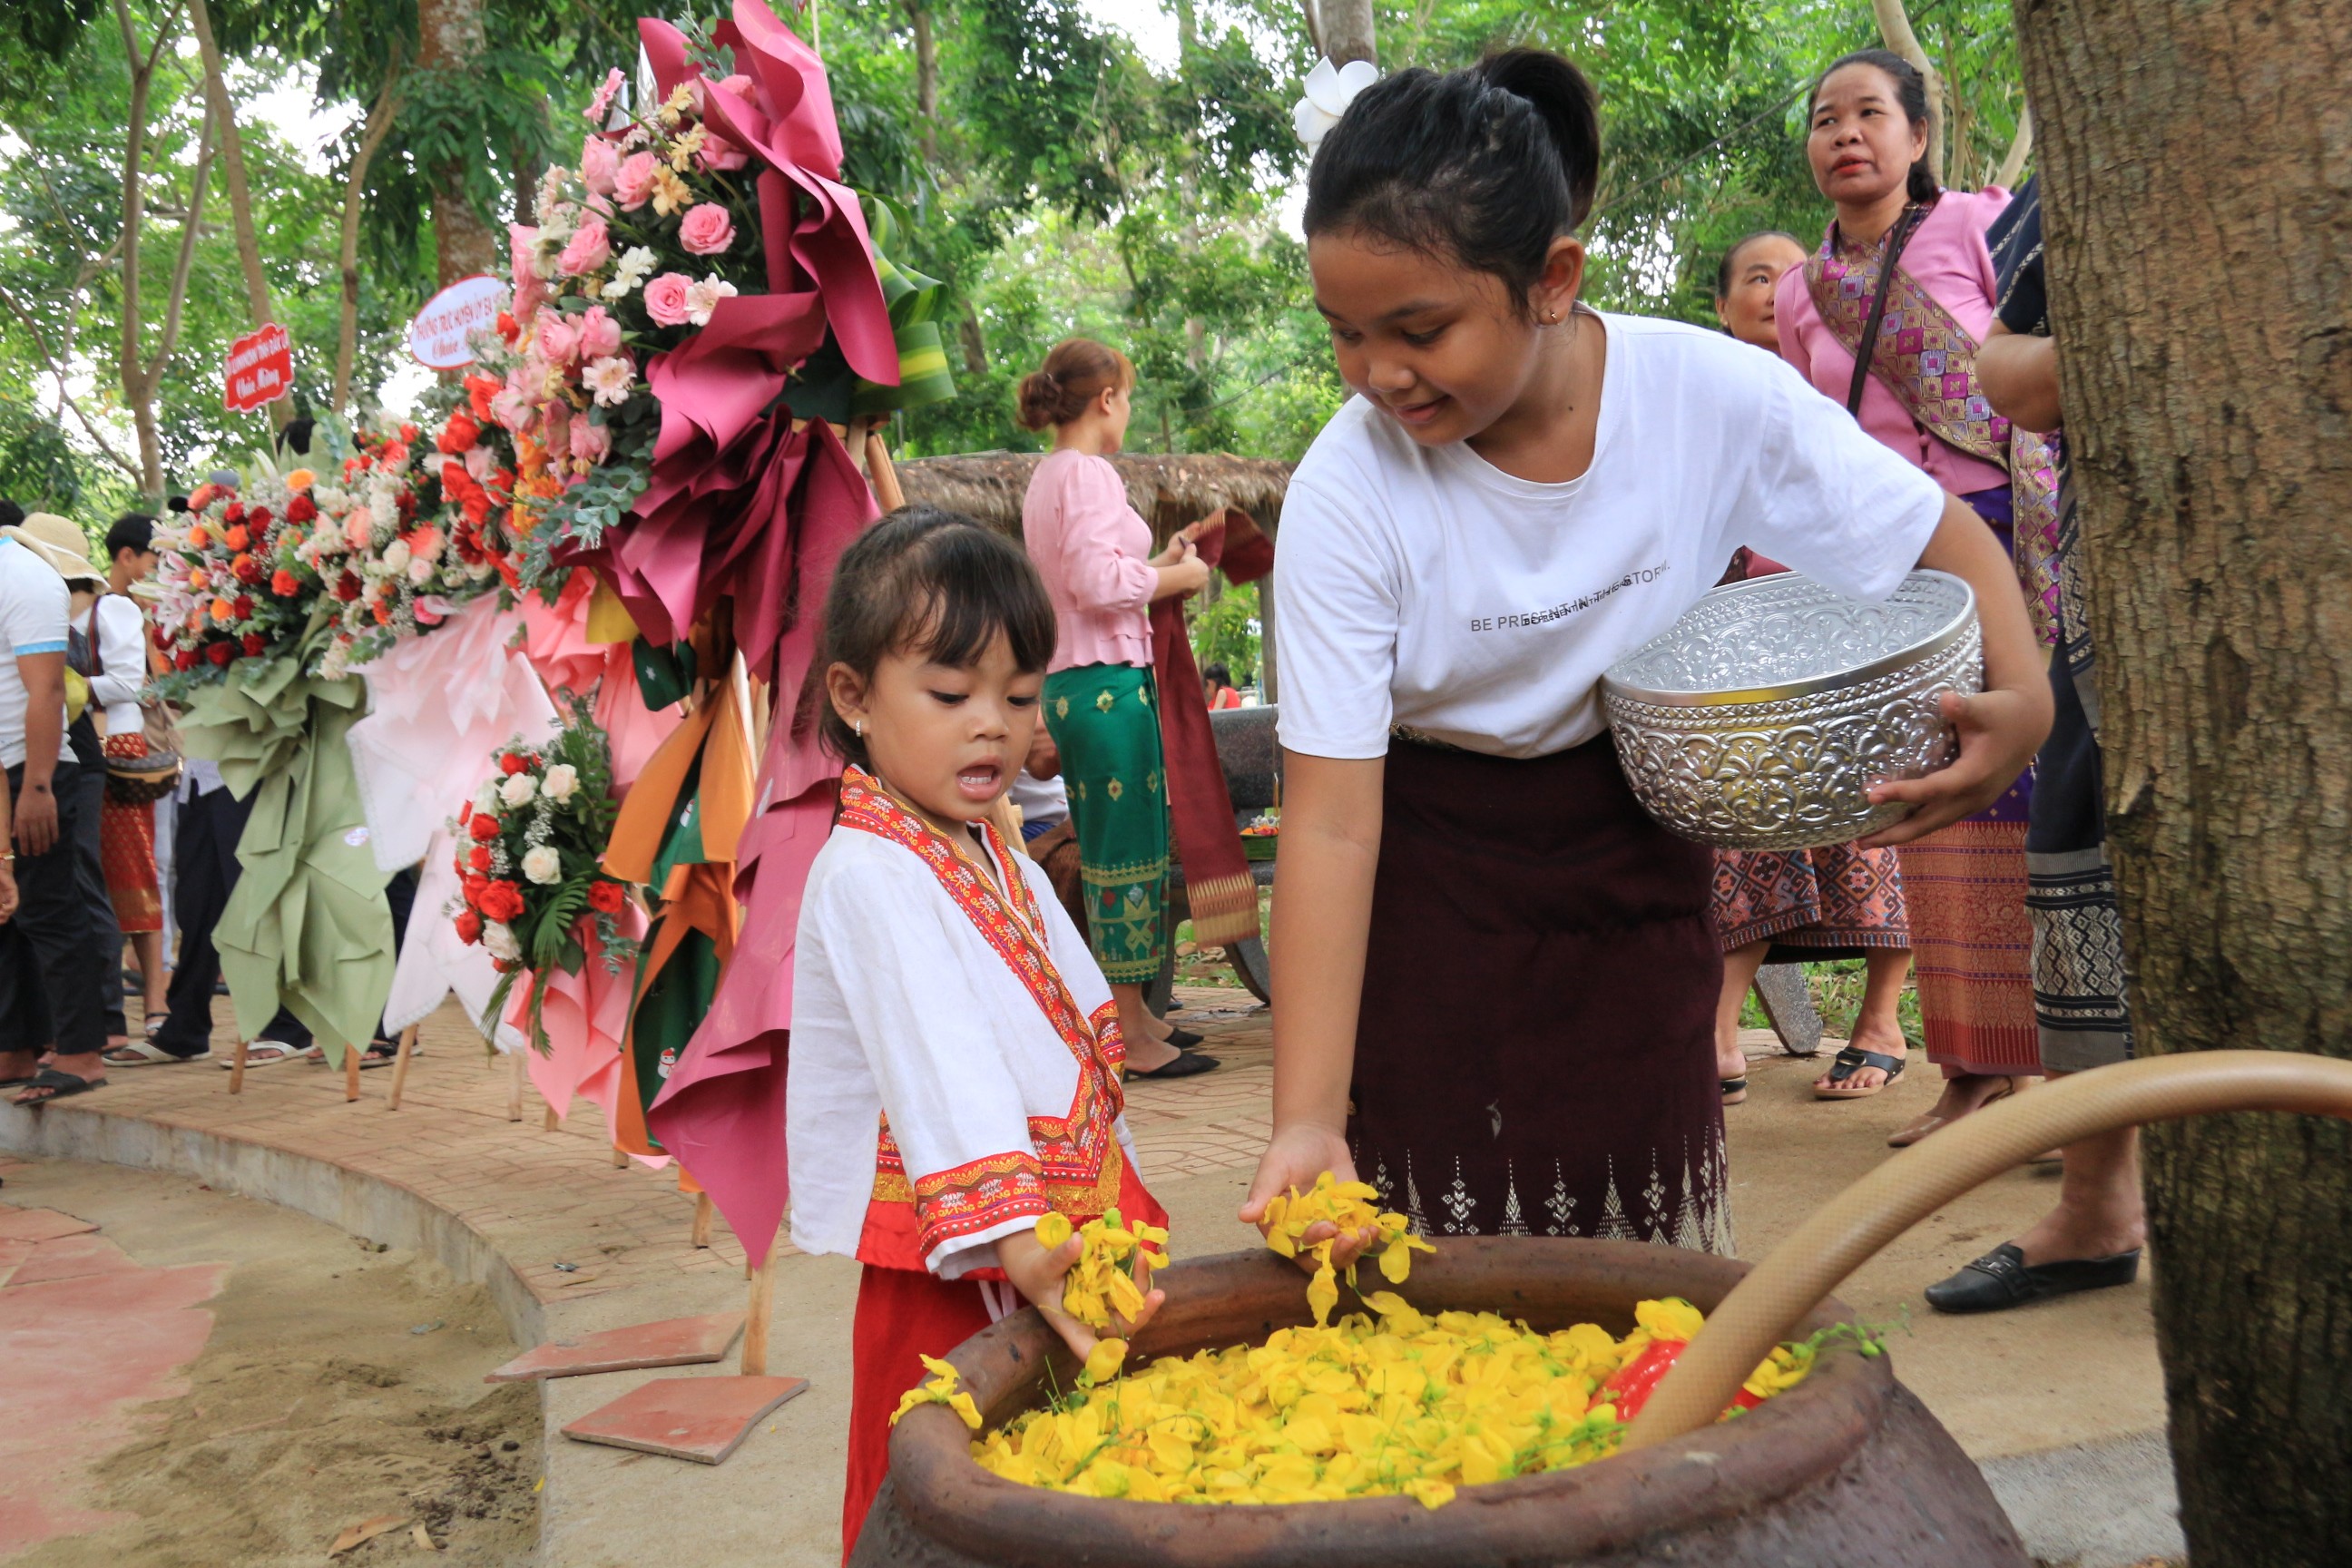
[(1535, 1052), (1105, 718), (126, 840), (1838, 903)]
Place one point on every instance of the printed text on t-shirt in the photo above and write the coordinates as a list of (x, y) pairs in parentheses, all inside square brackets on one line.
[(1560, 611)]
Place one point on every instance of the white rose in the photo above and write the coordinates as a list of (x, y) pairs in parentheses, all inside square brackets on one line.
[(395, 557), (486, 799), (518, 789), (501, 940), (420, 571), (543, 864), (562, 782)]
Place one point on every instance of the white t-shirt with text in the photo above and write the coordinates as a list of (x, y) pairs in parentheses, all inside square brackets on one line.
[(34, 604), (1425, 587)]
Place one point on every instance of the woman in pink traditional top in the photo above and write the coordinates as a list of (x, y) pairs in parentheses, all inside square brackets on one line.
[(1101, 703), (1904, 279)]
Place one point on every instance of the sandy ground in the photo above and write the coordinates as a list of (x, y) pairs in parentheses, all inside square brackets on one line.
[(340, 1384)]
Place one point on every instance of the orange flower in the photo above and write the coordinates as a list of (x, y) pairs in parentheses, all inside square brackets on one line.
[(236, 538), (222, 610), (198, 577), (300, 480), (382, 616), (198, 538)]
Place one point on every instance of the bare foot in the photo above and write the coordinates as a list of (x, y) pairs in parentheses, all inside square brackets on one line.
[(1973, 1092), (17, 1066)]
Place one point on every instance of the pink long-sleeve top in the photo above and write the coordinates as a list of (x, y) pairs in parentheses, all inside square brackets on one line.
[(1095, 552), (1947, 256)]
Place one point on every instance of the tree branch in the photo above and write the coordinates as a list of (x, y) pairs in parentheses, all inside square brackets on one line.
[(1895, 31), (189, 227), (379, 122), (65, 398), (1314, 26), (2021, 147)]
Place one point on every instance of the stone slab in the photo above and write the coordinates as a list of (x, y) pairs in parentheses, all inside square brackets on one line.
[(38, 1225), (673, 1342), (12, 1254), (700, 1419), (71, 1257)]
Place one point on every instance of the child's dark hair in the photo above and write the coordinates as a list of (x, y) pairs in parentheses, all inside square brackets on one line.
[(930, 581), (1484, 166), (1723, 269), (1910, 92)]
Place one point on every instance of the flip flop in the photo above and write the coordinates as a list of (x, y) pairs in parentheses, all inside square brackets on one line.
[(59, 1085), (147, 1054), (1852, 1060), (259, 1053)]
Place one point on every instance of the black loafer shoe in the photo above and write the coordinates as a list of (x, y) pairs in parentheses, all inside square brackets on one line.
[(2000, 1280), (1184, 1064), (1183, 1040)]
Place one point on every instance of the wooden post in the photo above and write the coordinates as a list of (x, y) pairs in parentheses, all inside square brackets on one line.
[(553, 1121), (236, 1067), (703, 1209), (620, 1158), (351, 1073), (400, 1064), (755, 1325), (514, 1085)]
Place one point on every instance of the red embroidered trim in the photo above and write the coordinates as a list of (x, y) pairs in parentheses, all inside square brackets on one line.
[(976, 1196)]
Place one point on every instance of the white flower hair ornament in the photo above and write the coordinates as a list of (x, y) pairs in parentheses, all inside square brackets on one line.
[(1330, 89)]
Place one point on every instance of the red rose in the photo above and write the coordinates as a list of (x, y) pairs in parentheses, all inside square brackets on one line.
[(347, 586), (606, 898), (284, 583), (513, 762), (479, 857), (408, 434), (248, 569), (234, 514), (501, 900), (469, 927), (243, 607), (476, 886), (505, 965), (302, 509), (484, 827), (508, 328), (202, 495), (184, 660), (394, 456), (220, 653), (163, 638), (459, 434), (257, 518), (254, 644)]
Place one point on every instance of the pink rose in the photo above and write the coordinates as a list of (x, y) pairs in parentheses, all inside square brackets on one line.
[(706, 230), (591, 248), (555, 427), (358, 527), (590, 443), (556, 338), (605, 91), (521, 241), (738, 85), (512, 410), (633, 182), (666, 298), (600, 335), (599, 161), (719, 153)]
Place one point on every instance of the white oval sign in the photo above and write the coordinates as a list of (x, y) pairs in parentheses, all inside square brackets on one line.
[(437, 337)]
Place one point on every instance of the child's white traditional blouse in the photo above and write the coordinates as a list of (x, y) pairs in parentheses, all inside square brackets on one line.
[(954, 1059)]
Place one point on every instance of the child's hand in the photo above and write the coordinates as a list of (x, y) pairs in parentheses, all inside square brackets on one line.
[(1039, 1274)]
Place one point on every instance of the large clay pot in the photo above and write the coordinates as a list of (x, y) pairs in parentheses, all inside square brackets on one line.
[(1847, 1468)]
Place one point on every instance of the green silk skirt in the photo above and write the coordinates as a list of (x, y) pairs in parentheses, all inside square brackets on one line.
[(1104, 719)]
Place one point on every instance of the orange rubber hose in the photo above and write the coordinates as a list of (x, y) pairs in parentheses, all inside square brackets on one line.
[(1849, 1229)]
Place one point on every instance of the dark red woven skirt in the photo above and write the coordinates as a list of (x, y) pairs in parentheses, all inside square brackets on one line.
[(1536, 1053)]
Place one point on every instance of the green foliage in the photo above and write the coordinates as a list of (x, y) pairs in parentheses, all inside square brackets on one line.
[(1226, 631), (37, 471)]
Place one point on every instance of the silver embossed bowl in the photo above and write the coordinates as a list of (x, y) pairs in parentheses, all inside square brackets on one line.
[(1760, 719)]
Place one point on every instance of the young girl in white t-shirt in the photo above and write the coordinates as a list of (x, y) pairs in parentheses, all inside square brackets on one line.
[(954, 1070), (1506, 1022)]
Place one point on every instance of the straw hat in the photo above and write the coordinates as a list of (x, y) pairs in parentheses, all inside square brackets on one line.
[(57, 541)]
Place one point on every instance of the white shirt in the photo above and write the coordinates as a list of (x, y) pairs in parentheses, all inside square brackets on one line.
[(901, 1006), (34, 605), (1424, 586), (122, 664), (1045, 801)]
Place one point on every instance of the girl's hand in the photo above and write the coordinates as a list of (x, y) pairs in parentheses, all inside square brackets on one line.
[(1039, 1274), (2000, 731), (1297, 1155), (1180, 548)]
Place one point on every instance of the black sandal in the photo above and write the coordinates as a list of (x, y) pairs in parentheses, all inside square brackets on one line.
[(1852, 1060), (1187, 1064), (58, 1084)]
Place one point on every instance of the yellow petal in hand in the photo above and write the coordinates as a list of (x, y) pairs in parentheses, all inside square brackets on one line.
[(1053, 1230)]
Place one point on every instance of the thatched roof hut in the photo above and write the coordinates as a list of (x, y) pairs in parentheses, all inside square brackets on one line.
[(1168, 490)]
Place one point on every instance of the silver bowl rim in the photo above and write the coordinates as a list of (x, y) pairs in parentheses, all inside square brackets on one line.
[(1926, 648)]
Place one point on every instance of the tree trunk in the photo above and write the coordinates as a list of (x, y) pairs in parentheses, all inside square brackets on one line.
[(972, 340), (450, 38), (1347, 30), (1895, 31), (379, 121), (2207, 408), (240, 196), (926, 81), (130, 366)]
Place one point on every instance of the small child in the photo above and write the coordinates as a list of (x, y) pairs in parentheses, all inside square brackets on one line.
[(955, 1056)]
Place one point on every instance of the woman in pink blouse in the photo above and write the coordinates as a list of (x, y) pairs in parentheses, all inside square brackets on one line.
[(1095, 552), (1904, 280)]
